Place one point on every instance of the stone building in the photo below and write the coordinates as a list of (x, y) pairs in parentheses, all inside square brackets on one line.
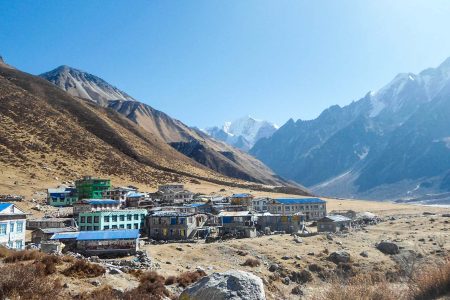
[(312, 208), (173, 225), (333, 223)]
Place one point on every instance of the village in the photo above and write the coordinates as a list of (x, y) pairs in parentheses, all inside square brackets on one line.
[(173, 230)]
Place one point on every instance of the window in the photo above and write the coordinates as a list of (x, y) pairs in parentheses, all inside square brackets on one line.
[(10, 244), (18, 244), (106, 218), (11, 227), (128, 226), (19, 227), (82, 228), (122, 226), (129, 218), (136, 217), (88, 228), (114, 218), (136, 226), (96, 219), (114, 227), (95, 227), (105, 227), (83, 219), (122, 218), (89, 220)]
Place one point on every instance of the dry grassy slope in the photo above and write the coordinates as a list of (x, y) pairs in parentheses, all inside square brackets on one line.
[(197, 145), (43, 127)]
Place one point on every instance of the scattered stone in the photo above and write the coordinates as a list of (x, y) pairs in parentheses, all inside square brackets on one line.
[(179, 248), (388, 247), (230, 285), (65, 285), (114, 271), (286, 280), (311, 253), (298, 240), (339, 257), (298, 257), (95, 282), (364, 254), (273, 267), (286, 257), (329, 237)]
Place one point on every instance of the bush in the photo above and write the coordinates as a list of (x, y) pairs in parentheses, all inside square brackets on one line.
[(105, 292), (27, 282), (251, 262), (23, 255), (50, 262), (431, 283), (188, 278), (170, 280), (151, 286), (4, 252), (84, 269)]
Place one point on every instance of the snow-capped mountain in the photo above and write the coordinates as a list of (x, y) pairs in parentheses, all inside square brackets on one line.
[(390, 144), (85, 85), (242, 133)]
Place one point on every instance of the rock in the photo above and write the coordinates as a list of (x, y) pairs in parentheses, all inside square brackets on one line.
[(339, 257), (364, 254), (297, 290), (298, 257), (286, 280), (230, 285), (329, 237), (114, 271), (200, 269), (65, 285), (179, 248), (311, 253), (298, 240), (273, 267), (286, 257), (95, 282), (388, 247)]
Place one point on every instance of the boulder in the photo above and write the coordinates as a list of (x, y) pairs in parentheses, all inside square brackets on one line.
[(273, 267), (388, 247), (230, 285), (339, 257), (364, 254), (297, 290)]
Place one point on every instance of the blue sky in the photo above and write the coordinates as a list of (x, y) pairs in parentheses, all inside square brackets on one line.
[(206, 62)]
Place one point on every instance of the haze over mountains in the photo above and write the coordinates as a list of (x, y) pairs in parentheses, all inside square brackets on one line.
[(191, 142), (393, 143), (242, 133)]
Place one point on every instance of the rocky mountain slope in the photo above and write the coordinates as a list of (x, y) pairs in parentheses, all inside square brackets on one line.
[(242, 133), (45, 132), (390, 144), (193, 143)]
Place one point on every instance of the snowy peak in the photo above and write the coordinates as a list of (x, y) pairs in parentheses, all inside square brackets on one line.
[(243, 132), (84, 85)]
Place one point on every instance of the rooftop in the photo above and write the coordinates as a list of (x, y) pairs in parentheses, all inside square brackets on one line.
[(337, 218), (4, 206), (57, 230), (101, 201), (168, 213), (241, 195), (108, 235), (298, 200), (234, 213)]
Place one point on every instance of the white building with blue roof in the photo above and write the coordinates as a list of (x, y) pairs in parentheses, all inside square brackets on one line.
[(312, 208), (12, 226)]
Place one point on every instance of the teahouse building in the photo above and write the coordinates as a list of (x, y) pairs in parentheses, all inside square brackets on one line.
[(312, 208), (12, 226)]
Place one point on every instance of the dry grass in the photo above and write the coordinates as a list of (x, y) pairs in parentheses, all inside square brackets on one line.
[(188, 278), (5, 252), (105, 292), (84, 269), (21, 281), (151, 286), (251, 262), (23, 255), (361, 287), (432, 283)]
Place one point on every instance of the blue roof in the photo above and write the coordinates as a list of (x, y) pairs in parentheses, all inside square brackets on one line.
[(135, 195), (299, 200), (4, 206), (101, 201), (195, 204), (241, 195), (65, 235), (108, 235)]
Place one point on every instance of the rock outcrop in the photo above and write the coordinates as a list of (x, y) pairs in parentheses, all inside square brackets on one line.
[(230, 285)]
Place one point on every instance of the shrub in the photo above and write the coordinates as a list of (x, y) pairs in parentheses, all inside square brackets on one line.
[(170, 280), (22, 255), (251, 262), (50, 262), (151, 286), (188, 278), (241, 253), (431, 283), (105, 292), (4, 252), (27, 282), (84, 269)]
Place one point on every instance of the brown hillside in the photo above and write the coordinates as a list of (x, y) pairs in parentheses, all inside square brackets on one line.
[(44, 128)]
